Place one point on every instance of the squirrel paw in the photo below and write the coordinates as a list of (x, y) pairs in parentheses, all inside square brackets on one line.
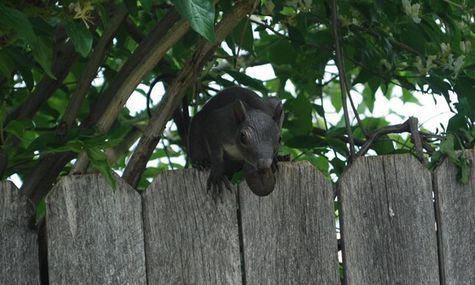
[(215, 184), (201, 164)]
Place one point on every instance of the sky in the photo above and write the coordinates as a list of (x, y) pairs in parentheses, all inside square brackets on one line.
[(432, 111)]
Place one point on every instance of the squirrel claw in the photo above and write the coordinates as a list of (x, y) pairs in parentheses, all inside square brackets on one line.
[(216, 186)]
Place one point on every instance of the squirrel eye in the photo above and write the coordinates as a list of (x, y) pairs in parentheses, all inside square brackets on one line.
[(243, 138)]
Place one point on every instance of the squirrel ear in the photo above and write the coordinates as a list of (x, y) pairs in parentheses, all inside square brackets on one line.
[(278, 115), (239, 111)]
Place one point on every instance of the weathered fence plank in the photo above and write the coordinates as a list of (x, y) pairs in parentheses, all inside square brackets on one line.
[(190, 239), (388, 222), (456, 224), (18, 239), (94, 233), (289, 236)]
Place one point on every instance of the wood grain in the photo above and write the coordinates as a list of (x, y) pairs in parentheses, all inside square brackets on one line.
[(190, 239), (289, 236), (456, 221), (388, 222), (94, 233), (18, 238)]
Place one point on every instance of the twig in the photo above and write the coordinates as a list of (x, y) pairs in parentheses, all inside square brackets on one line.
[(410, 125), (270, 28), (357, 116), (404, 127), (149, 94), (416, 137), (165, 149), (343, 82), (175, 93)]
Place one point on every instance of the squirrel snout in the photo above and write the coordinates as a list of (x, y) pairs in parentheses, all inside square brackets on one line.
[(264, 163)]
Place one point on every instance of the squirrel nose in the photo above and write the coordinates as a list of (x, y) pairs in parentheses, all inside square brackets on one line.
[(264, 163)]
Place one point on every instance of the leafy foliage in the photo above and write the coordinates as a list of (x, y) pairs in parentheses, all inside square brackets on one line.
[(403, 49)]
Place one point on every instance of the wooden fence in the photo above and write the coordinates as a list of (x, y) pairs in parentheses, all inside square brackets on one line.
[(392, 231)]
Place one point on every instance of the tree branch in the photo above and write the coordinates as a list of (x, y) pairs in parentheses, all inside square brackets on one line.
[(64, 58), (150, 51), (173, 97), (44, 175), (144, 58), (343, 82), (410, 125), (91, 67)]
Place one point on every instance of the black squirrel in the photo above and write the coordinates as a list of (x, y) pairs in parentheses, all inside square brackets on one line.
[(236, 129)]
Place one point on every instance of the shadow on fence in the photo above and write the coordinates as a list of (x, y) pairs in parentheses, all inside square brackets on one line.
[(392, 231)]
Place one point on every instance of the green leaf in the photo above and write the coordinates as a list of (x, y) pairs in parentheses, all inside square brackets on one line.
[(369, 97), (408, 97), (244, 79), (99, 161), (456, 123), (42, 54), (464, 169), (18, 22), (22, 129), (200, 14), (80, 36), (242, 35), (299, 121), (439, 86), (146, 4), (336, 101), (383, 146), (447, 147), (305, 142), (281, 52), (320, 162)]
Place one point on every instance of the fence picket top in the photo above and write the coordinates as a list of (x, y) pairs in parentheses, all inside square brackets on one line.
[(95, 233), (456, 223), (190, 239), (18, 238), (388, 222), (289, 236)]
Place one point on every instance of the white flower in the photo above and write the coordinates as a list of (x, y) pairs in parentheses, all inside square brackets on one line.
[(412, 10), (458, 64), (420, 66), (425, 68), (385, 64), (268, 7), (455, 65), (465, 46), (307, 4), (429, 63), (445, 48)]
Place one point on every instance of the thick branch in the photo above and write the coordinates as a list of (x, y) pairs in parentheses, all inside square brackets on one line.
[(64, 58), (44, 175), (150, 51), (144, 58), (173, 97), (92, 66)]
